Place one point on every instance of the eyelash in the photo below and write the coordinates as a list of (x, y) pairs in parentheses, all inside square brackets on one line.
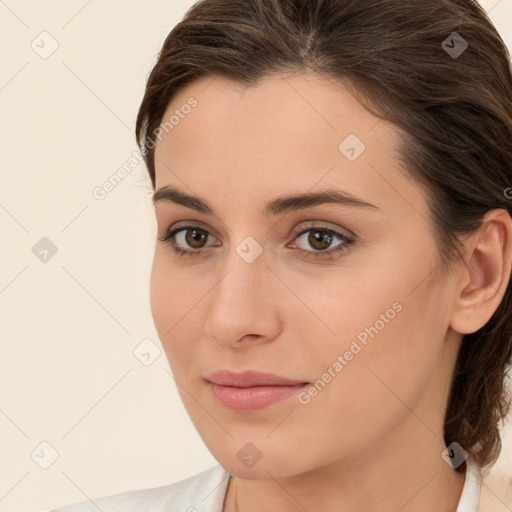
[(339, 249)]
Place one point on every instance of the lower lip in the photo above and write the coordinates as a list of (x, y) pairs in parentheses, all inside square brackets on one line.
[(253, 398)]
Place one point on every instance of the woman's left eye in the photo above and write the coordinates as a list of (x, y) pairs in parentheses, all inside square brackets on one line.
[(320, 238)]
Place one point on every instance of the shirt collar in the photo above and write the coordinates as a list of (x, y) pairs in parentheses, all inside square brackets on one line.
[(470, 496)]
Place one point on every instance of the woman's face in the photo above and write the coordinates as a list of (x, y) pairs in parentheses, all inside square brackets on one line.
[(362, 328)]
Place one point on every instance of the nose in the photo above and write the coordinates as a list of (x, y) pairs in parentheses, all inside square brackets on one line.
[(244, 305)]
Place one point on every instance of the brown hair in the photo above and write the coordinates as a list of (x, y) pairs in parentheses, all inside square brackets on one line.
[(454, 111)]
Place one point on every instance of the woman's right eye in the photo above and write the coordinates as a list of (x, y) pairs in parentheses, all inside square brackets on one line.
[(193, 236)]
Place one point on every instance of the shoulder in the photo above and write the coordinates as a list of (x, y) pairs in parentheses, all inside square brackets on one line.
[(203, 492)]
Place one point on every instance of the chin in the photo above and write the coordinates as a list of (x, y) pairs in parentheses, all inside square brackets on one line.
[(252, 461)]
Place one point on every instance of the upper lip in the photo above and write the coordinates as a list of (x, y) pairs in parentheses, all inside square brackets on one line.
[(249, 378)]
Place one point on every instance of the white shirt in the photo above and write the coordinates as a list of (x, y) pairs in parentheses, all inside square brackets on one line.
[(205, 492)]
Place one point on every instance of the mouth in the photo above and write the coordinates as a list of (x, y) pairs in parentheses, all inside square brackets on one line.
[(251, 390)]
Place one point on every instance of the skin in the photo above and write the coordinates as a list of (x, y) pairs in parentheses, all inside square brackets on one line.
[(372, 437)]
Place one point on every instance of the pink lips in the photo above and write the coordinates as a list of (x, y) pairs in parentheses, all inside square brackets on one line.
[(251, 390)]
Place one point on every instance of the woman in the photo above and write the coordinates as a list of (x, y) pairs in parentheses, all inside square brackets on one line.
[(331, 280)]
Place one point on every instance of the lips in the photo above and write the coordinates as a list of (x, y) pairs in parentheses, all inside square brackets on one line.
[(250, 378), (251, 390)]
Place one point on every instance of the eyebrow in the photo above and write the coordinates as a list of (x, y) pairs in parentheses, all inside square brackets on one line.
[(275, 206)]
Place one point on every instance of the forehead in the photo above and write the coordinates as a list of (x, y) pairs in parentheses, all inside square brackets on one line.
[(286, 133), (283, 107)]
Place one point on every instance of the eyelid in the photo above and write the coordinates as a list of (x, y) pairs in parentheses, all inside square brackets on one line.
[(190, 224), (321, 224)]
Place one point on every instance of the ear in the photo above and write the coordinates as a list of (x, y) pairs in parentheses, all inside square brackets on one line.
[(486, 273)]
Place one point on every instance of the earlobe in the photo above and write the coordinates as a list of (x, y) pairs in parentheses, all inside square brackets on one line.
[(486, 274)]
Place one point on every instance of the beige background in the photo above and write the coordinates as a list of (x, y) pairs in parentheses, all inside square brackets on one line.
[(69, 326)]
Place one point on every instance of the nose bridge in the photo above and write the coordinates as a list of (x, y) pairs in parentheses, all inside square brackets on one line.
[(241, 302), (244, 282), (245, 267)]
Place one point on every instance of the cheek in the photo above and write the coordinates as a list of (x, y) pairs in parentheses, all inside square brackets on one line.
[(168, 300), (175, 300), (162, 298), (388, 330), (389, 303), (388, 377), (367, 399)]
